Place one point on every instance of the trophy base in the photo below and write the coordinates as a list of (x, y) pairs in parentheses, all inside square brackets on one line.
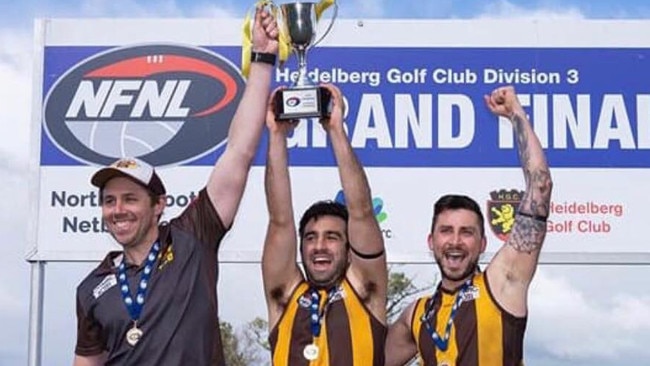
[(297, 103)]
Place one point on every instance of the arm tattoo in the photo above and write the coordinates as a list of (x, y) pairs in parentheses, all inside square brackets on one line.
[(537, 201), (538, 181), (522, 140), (527, 234), (529, 229)]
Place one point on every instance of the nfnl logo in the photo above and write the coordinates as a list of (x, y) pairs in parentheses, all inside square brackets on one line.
[(162, 103), (292, 102)]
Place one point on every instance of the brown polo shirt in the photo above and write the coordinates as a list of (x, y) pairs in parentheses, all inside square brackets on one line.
[(179, 317)]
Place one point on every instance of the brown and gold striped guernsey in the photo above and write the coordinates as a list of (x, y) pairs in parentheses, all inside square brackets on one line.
[(350, 334), (483, 334)]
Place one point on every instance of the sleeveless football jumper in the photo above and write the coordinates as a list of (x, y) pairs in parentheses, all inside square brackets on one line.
[(482, 333), (349, 336)]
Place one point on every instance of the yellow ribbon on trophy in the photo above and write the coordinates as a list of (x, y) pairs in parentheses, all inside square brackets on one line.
[(284, 47), (322, 6)]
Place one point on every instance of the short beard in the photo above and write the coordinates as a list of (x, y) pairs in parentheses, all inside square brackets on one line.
[(471, 268), (328, 282)]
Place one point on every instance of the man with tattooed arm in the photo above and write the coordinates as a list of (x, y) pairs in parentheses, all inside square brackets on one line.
[(479, 317)]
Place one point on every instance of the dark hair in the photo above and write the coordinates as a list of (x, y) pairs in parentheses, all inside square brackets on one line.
[(456, 202), (319, 209)]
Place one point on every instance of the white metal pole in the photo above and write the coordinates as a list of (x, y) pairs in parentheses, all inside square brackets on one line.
[(36, 313)]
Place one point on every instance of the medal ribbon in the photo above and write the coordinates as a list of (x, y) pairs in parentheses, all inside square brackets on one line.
[(443, 342), (316, 313), (134, 306)]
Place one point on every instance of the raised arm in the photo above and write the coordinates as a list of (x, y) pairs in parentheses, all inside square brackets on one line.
[(513, 267), (228, 178), (367, 272), (280, 271)]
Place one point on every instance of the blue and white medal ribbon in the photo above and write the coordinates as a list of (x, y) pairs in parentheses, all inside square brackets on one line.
[(311, 351), (443, 342), (134, 306)]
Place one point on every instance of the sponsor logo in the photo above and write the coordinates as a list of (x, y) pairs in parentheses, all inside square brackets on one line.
[(108, 282), (501, 210), (378, 209), (165, 104), (377, 206), (472, 293)]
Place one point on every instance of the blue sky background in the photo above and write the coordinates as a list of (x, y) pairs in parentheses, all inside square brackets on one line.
[(580, 315)]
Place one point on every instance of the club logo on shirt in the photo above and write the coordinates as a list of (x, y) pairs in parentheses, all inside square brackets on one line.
[(108, 282), (305, 300), (166, 257), (472, 293), (338, 295)]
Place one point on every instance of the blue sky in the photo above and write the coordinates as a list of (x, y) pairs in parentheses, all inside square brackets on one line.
[(609, 306), (21, 13)]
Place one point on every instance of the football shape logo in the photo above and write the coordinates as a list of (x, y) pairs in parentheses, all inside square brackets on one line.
[(165, 104), (293, 101)]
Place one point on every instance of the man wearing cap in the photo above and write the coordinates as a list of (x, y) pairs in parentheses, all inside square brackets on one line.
[(155, 302)]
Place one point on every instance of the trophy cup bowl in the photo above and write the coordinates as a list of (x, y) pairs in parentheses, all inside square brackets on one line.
[(300, 27), (303, 99)]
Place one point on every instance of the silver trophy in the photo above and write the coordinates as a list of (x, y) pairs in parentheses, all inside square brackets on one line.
[(303, 99)]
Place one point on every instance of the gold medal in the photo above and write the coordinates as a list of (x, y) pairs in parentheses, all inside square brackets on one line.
[(133, 335), (310, 352)]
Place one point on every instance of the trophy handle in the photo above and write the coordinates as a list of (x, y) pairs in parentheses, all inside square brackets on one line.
[(329, 27)]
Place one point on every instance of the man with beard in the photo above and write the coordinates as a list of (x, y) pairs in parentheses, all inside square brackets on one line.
[(336, 315), (479, 318), (154, 302)]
